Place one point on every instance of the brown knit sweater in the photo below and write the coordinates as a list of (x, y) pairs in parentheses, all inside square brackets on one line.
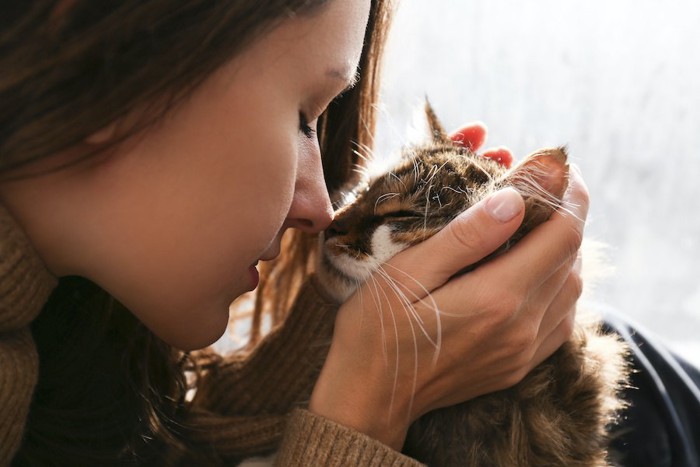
[(265, 390)]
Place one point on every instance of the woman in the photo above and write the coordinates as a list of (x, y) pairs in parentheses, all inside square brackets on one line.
[(152, 153)]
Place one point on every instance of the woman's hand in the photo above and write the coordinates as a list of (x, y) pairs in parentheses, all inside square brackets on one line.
[(432, 340)]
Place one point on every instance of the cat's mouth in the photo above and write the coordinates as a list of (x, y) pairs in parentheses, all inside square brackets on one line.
[(342, 262), (330, 268)]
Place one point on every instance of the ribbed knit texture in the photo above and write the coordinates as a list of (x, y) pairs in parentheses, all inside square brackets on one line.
[(246, 400), (25, 285), (314, 440)]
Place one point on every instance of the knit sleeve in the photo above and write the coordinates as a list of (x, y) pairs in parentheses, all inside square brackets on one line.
[(25, 285), (313, 440), (263, 396)]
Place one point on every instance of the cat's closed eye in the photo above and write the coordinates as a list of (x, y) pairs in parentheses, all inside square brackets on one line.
[(402, 214)]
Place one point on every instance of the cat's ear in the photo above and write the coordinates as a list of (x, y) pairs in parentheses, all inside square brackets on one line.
[(437, 132), (542, 178)]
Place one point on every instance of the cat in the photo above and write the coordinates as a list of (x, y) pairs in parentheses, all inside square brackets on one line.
[(561, 413)]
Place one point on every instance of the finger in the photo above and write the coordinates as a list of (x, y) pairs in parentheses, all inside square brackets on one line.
[(542, 296), (558, 330), (468, 238), (536, 310), (471, 135), (559, 306), (501, 155), (556, 241), (553, 341)]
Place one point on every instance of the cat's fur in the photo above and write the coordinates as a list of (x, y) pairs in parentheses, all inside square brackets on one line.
[(559, 415)]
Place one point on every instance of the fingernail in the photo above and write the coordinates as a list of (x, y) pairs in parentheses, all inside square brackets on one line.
[(504, 205)]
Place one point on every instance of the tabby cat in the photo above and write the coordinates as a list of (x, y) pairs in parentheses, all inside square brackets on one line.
[(560, 414)]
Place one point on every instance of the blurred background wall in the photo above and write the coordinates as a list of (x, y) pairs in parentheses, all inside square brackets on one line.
[(618, 82)]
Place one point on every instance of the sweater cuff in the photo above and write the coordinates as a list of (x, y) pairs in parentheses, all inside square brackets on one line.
[(311, 439)]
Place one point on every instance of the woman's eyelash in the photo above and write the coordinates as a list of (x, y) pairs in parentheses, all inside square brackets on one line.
[(304, 126)]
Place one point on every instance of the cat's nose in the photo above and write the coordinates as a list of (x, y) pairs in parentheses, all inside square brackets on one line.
[(337, 228)]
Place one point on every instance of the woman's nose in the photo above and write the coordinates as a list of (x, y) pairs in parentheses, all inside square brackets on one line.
[(310, 213), (311, 209)]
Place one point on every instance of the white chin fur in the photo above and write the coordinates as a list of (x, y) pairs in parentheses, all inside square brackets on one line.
[(359, 270)]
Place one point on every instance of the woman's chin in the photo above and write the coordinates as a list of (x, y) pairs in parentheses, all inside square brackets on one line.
[(195, 335)]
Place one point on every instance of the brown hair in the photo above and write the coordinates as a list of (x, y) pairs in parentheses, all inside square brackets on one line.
[(68, 69)]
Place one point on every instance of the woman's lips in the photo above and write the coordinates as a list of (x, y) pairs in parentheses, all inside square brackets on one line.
[(272, 253)]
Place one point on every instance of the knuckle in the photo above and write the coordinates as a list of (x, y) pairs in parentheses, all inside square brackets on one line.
[(524, 343), (576, 284), (567, 325), (505, 308), (515, 376), (519, 343)]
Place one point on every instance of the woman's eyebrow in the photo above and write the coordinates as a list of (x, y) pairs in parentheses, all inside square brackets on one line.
[(346, 75)]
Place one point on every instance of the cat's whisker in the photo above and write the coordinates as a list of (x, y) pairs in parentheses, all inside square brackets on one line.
[(454, 190), (366, 159), (439, 169), (427, 208), (431, 174), (484, 172), (416, 168), (368, 130), (435, 342), (358, 288), (384, 197), (398, 179), (359, 154), (378, 305), (377, 289), (569, 208), (363, 172), (431, 305), (368, 155), (410, 311), (526, 182), (385, 347), (391, 282)]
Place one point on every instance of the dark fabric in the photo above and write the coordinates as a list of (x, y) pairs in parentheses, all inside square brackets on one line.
[(662, 426)]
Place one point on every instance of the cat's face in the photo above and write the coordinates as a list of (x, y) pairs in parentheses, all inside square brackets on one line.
[(421, 195)]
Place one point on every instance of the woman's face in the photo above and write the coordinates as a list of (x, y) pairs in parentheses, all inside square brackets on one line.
[(173, 222)]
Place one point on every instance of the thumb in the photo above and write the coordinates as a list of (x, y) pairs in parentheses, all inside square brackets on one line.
[(471, 236)]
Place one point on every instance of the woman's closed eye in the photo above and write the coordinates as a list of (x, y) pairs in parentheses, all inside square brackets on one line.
[(305, 127)]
